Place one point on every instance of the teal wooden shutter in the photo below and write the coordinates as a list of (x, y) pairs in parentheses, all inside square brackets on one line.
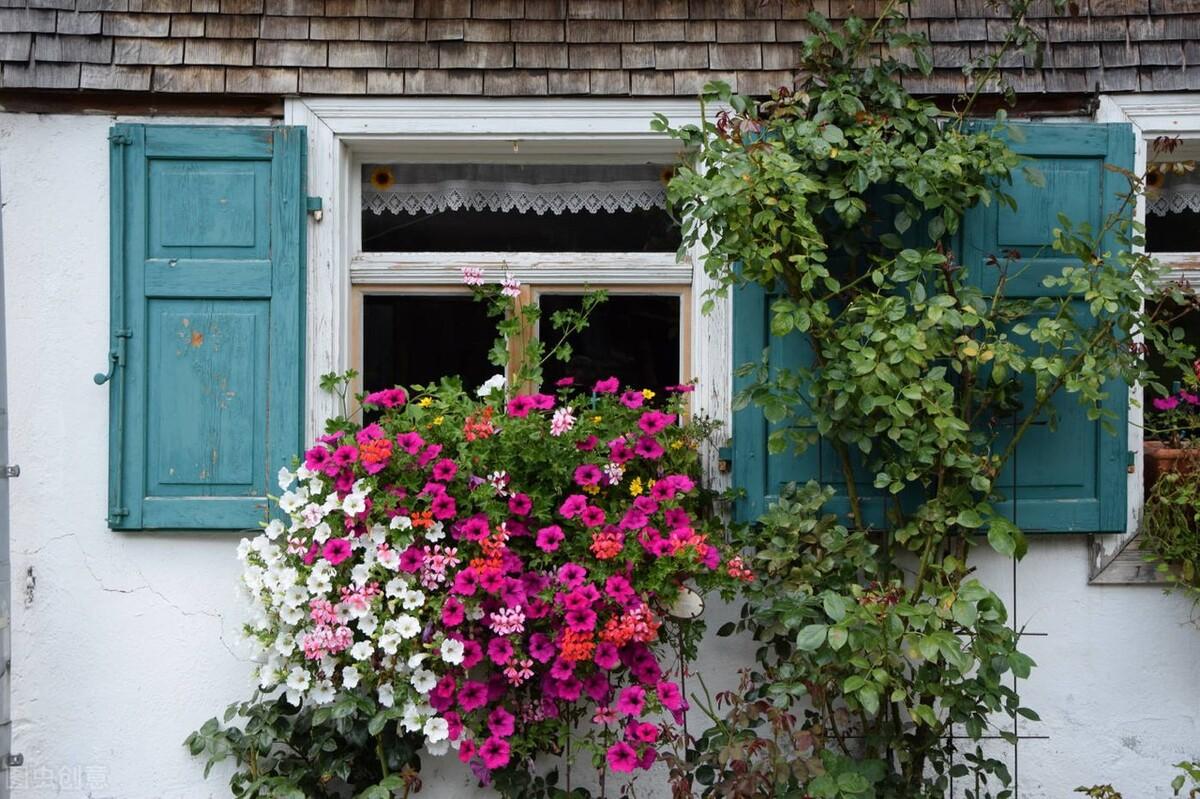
[(1071, 478), (207, 232)]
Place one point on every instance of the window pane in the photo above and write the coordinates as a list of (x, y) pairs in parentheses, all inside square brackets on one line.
[(416, 339), (632, 337), (516, 208)]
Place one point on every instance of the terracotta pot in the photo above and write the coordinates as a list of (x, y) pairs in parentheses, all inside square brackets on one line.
[(1162, 459)]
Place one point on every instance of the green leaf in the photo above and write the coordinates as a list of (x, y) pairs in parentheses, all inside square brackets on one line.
[(811, 637)]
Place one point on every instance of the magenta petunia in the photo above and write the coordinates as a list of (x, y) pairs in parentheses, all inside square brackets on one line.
[(649, 448), (412, 559), (475, 528), (543, 402), (606, 656), (632, 700), (472, 654), (369, 433), (644, 731), (444, 470), (500, 651), (654, 422), (1166, 403), (494, 753), (316, 458), (501, 723), (520, 504), (453, 612), (608, 386), (632, 399), (581, 620), (520, 406), (431, 452), (670, 696), (443, 506), (548, 538), (472, 696), (572, 506), (336, 550), (388, 398), (541, 648), (410, 442), (466, 582), (564, 382), (571, 575), (587, 445), (592, 516), (588, 474), (621, 757)]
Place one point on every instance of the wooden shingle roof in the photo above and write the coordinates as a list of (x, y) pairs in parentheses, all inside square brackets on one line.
[(549, 47)]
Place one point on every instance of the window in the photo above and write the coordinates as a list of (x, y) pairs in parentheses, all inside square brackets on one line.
[(1173, 202), (561, 228)]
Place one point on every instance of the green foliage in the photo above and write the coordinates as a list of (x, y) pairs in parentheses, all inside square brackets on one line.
[(882, 661), (1170, 533), (349, 748)]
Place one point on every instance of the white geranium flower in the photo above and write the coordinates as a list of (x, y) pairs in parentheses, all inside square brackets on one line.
[(423, 681), (274, 529), (286, 477), (437, 729), (493, 383), (387, 695), (350, 677), (413, 599), (298, 680), (452, 651), (322, 693), (407, 626), (354, 504)]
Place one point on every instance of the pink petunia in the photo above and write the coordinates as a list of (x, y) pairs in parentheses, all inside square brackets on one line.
[(592, 516), (500, 651), (472, 696), (606, 656), (443, 507), (541, 648), (548, 538), (621, 757), (654, 422), (572, 506), (649, 448), (608, 386), (388, 398), (520, 504), (632, 399), (410, 442), (520, 406), (453, 612), (564, 382), (588, 474), (501, 723), (494, 752), (632, 700), (444, 470), (336, 550), (571, 575), (587, 445)]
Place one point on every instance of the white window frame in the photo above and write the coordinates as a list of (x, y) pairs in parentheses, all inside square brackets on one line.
[(345, 132), (1115, 558)]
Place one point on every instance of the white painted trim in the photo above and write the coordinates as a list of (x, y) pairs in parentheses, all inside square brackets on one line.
[(345, 131), (534, 268)]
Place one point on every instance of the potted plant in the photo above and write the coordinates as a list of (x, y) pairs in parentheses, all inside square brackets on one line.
[(1172, 441)]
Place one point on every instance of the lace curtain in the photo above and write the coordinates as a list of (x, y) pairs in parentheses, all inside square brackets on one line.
[(1177, 194), (521, 188)]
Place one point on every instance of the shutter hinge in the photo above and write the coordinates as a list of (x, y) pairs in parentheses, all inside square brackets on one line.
[(117, 513), (1130, 461), (119, 137), (8, 472), (14, 760), (724, 459), (116, 357), (314, 206)]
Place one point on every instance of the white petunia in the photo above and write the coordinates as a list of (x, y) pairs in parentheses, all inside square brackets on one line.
[(285, 644), (322, 693), (354, 504), (493, 383), (401, 523), (303, 472), (412, 720), (413, 599), (362, 650), (389, 559), (293, 501), (423, 680), (389, 643), (289, 614), (298, 680), (368, 624), (395, 587), (416, 659), (243, 549), (452, 651), (274, 529), (360, 574), (436, 533), (387, 695), (438, 748), (350, 677), (407, 626), (436, 729), (286, 477), (295, 596), (322, 532), (316, 487)]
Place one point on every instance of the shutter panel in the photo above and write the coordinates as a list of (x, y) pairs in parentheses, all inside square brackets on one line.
[(1072, 478), (207, 310), (760, 473)]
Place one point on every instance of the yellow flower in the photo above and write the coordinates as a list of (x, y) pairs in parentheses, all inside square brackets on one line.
[(382, 178), (676, 444), (635, 487), (592, 489), (439, 419), (647, 393), (425, 402), (597, 419)]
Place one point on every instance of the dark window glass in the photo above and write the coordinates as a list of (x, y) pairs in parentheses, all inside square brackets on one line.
[(414, 339), (632, 337), (516, 208), (1175, 232)]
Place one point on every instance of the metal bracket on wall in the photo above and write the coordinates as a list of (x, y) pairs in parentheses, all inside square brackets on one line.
[(14, 760), (8, 472)]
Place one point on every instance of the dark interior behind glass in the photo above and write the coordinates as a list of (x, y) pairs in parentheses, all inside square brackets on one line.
[(411, 339)]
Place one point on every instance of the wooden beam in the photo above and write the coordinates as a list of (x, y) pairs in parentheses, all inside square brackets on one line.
[(42, 101)]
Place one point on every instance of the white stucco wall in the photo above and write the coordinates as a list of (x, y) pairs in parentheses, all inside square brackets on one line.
[(127, 642)]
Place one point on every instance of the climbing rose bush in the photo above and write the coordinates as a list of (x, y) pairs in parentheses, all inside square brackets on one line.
[(487, 574)]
